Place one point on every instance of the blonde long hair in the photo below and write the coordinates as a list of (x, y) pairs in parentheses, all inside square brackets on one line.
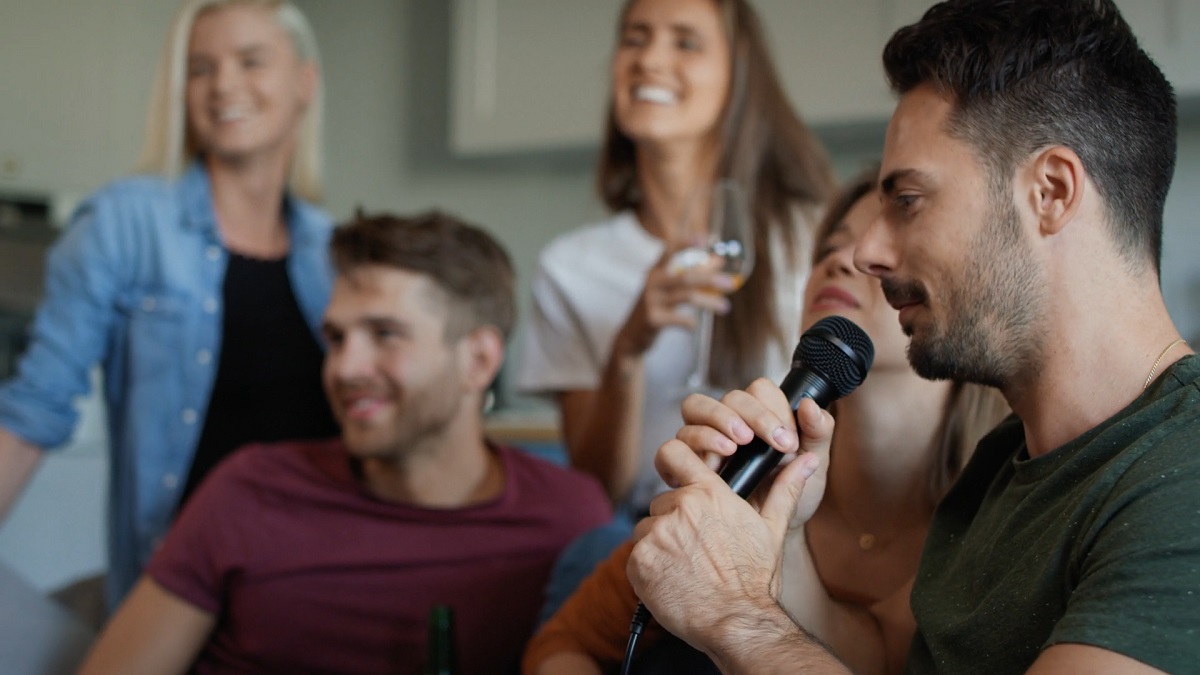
[(167, 148)]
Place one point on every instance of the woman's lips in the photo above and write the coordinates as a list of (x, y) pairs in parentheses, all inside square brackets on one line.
[(832, 297)]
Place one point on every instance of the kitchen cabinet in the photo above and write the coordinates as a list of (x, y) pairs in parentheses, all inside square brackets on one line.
[(532, 75), (1182, 28), (827, 56), (529, 74), (1169, 30)]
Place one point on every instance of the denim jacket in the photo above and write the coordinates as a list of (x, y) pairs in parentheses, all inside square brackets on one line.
[(135, 284)]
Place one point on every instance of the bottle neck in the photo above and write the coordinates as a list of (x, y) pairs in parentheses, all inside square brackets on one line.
[(442, 655)]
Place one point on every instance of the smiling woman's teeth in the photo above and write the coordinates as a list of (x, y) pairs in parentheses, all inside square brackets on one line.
[(655, 95), (230, 114)]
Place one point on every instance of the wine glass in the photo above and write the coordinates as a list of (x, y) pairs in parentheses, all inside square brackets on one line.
[(730, 250)]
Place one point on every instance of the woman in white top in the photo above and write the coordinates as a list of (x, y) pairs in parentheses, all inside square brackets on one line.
[(694, 99)]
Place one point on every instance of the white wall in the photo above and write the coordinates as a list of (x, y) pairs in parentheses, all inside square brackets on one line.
[(74, 97)]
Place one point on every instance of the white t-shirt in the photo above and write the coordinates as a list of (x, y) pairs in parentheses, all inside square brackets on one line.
[(587, 283)]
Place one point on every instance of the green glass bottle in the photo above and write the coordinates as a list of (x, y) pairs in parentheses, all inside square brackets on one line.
[(442, 658)]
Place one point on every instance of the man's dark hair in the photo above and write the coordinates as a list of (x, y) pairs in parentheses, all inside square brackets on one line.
[(1027, 74), (462, 260)]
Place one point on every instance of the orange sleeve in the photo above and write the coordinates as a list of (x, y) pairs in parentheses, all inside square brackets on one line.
[(594, 620)]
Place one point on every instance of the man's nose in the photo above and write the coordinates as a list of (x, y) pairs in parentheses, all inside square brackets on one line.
[(353, 358), (875, 252)]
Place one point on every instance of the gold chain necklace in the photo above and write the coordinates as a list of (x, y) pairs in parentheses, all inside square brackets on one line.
[(1154, 368)]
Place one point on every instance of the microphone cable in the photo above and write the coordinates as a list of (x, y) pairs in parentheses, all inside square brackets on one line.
[(640, 618)]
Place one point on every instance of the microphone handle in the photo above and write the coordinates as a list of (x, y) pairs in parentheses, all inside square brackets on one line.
[(752, 462), (749, 464)]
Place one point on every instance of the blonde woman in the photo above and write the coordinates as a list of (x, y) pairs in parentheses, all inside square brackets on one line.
[(198, 287), (900, 442)]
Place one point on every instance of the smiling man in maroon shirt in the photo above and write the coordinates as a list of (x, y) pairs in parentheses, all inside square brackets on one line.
[(328, 556)]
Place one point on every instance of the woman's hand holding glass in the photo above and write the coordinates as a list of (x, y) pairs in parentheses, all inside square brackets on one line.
[(728, 250), (668, 293)]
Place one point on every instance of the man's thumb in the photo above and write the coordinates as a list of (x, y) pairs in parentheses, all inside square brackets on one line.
[(784, 495)]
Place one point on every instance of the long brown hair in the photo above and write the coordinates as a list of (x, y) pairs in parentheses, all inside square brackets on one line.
[(769, 151)]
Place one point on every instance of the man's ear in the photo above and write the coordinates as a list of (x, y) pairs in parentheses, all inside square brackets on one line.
[(482, 354), (1056, 183)]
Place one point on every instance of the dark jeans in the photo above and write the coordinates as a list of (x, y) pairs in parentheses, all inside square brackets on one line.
[(578, 560)]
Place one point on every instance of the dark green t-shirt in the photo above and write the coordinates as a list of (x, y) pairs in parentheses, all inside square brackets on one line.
[(1096, 543)]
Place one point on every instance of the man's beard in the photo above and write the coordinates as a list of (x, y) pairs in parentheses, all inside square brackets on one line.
[(422, 416), (991, 331)]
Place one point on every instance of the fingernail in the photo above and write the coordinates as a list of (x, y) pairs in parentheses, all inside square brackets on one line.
[(724, 307), (784, 438), (740, 430), (811, 463), (728, 446)]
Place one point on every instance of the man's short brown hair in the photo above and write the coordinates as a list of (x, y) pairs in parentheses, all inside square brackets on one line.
[(464, 261)]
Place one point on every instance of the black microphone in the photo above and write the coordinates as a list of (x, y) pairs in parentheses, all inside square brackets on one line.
[(832, 359)]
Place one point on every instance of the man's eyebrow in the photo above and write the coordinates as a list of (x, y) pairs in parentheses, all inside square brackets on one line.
[(887, 184)]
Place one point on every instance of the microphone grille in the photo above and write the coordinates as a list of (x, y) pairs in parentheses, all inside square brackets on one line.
[(839, 350)]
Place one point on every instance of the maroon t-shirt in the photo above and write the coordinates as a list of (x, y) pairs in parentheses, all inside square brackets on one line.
[(306, 572)]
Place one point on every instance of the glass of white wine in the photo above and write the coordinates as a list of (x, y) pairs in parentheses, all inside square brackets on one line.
[(729, 250)]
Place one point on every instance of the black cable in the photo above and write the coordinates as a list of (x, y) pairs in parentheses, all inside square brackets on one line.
[(640, 618)]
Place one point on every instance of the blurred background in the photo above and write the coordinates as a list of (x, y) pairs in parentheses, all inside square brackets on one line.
[(490, 109)]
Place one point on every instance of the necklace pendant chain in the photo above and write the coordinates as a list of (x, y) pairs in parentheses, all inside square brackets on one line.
[(1154, 368)]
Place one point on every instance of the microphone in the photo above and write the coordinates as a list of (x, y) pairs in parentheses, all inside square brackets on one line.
[(832, 359)]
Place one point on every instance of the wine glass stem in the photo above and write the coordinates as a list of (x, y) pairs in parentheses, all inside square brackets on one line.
[(704, 328)]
